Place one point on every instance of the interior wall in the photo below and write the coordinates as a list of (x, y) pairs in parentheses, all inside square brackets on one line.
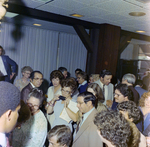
[(43, 50)]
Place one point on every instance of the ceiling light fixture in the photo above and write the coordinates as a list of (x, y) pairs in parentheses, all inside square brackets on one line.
[(140, 31), (36, 24), (76, 15), (137, 13)]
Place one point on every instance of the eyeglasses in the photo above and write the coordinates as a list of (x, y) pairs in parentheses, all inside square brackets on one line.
[(80, 103), (28, 73), (68, 92), (36, 79), (31, 105)]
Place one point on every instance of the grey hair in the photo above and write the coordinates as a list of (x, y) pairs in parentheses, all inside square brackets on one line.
[(130, 78)]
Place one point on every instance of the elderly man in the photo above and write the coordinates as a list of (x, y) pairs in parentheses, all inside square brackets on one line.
[(86, 132), (9, 107), (130, 79), (8, 67), (105, 85), (36, 79)]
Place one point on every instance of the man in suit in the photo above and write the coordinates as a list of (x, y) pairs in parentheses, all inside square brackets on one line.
[(36, 79), (9, 107), (130, 79), (8, 67), (86, 132), (105, 85), (138, 87)]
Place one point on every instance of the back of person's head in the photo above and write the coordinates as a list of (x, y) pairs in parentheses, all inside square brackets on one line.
[(97, 90), (105, 72), (139, 82), (88, 96), (125, 91), (130, 78), (26, 68), (24, 113), (9, 97), (56, 74), (33, 73), (83, 75), (3, 51), (113, 127), (131, 108), (62, 69), (69, 82), (63, 135), (145, 96), (78, 69)]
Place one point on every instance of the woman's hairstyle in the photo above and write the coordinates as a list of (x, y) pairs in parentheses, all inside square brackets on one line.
[(26, 68), (24, 113), (69, 82), (95, 77), (125, 91), (56, 74), (142, 99), (83, 75), (98, 92), (131, 108), (38, 94), (63, 134), (113, 127)]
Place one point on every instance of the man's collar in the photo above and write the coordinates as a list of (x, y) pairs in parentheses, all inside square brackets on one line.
[(32, 85)]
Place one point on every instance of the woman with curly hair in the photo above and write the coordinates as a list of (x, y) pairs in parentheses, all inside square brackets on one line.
[(97, 92), (56, 77), (132, 114), (113, 129), (144, 104), (58, 105)]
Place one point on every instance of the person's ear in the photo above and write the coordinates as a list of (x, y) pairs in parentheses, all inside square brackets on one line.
[(8, 115), (126, 98), (89, 103)]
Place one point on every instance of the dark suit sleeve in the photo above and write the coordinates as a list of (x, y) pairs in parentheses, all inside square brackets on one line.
[(12, 64)]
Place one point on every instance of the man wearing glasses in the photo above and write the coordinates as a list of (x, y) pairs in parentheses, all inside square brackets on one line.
[(36, 79)]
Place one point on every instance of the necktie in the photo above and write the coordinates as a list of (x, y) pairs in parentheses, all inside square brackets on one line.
[(79, 124)]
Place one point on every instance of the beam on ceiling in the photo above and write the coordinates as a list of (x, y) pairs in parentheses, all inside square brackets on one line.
[(84, 37), (47, 16), (135, 35)]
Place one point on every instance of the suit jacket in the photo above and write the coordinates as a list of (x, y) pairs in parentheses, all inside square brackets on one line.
[(135, 95), (82, 88), (140, 90), (110, 87), (25, 91), (10, 65), (87, 135)]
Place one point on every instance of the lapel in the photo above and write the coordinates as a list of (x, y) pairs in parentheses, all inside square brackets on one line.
[(86, 124)]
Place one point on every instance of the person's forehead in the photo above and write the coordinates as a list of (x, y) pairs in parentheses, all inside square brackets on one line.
[(108, 76), (36, 74), (117, 91), (80, 98)]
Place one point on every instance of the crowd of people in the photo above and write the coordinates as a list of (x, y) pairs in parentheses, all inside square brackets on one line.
[(73, 112)]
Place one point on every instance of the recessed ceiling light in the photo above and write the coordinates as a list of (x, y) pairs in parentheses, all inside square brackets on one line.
[(36, 24), (140, 31), (76, 15), (128, 41), (137, 13)]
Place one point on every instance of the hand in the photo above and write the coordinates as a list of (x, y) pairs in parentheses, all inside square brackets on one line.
[(12, 75), (66, 102), (56, 97)]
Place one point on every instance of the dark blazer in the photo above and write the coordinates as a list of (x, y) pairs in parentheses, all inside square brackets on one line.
[(82, 88), (87, 135), (10, 66), (25, 91), (140, 90)]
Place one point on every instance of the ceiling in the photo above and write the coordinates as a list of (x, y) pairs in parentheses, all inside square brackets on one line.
[(115, 12)]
